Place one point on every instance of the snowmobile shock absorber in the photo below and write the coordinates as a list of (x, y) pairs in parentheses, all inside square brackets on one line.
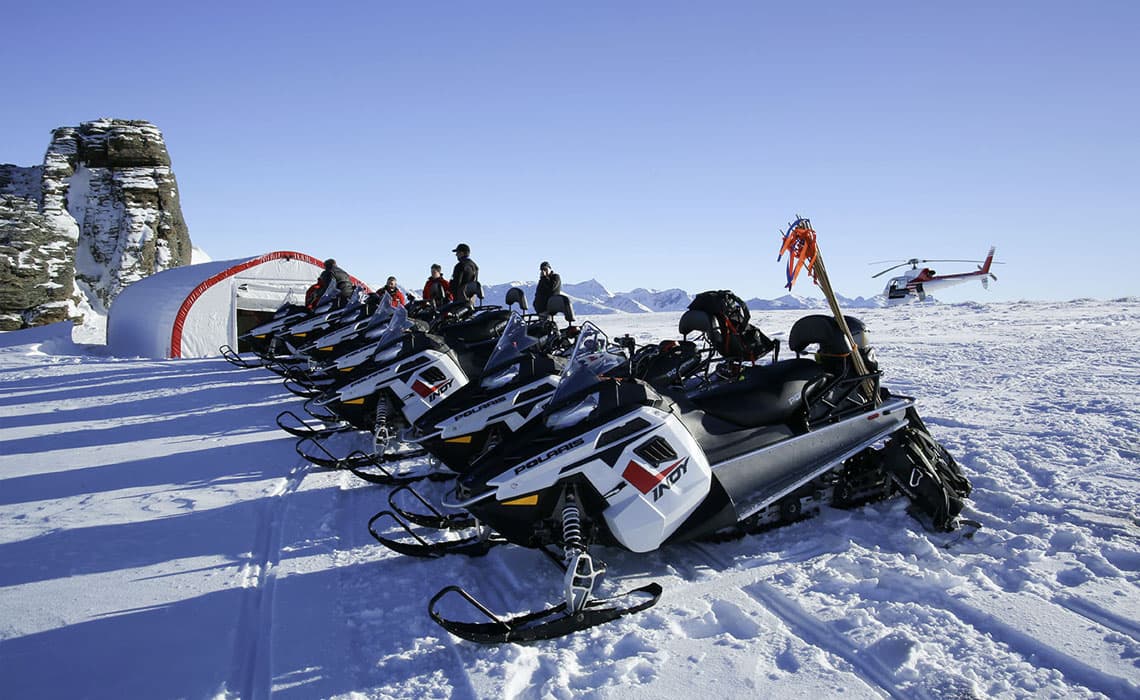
[(571, 527), (380, 435), (581, 573)]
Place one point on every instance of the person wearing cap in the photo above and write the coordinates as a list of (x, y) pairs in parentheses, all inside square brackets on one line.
[(549, 284), (332, 275), (437, 290), (465, 272)]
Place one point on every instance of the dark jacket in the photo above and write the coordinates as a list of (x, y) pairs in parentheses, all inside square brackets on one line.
[(548, 286), (465, 271), (340, 279)]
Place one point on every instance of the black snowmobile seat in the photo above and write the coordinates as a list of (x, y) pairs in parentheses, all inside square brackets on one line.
[(483, 326), (764, 395)]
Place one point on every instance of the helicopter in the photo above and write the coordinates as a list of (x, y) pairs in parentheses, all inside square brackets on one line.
[(917, 282)]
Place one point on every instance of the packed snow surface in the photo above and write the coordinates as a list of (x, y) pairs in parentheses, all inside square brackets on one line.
[(159, 537)]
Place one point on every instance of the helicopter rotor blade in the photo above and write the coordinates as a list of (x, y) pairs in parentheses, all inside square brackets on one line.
[(902, 264)]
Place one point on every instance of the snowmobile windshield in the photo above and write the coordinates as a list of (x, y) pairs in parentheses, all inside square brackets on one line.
[(396, 327), (512, 344), (382, 313), (593, 356)]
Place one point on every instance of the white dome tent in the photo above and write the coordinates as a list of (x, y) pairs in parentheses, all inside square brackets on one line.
[(191, 311)]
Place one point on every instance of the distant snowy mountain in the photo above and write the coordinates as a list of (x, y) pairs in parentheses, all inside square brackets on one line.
[(791, 301), (592, 298)]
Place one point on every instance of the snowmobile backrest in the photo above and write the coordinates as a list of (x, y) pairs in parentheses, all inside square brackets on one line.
[(473, 290), (822, 329), (696, 321), (516, 296), (560, 304)]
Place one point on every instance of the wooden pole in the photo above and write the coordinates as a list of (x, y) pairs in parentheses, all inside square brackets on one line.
[(821, 278)]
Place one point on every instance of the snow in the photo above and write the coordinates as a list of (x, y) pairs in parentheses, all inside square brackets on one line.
[(160, 537)]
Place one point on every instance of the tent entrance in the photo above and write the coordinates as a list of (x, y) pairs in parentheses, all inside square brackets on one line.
[(257, 300)]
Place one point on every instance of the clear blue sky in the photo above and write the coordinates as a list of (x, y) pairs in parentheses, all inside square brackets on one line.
[(655, 144)]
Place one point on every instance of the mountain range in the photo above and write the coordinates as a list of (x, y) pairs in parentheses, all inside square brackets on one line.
[(591, 297)]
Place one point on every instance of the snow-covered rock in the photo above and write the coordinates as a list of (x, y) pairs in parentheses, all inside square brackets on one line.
[(102, 211)]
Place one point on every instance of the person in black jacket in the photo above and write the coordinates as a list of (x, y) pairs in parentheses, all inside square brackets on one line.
[(549, 284), (465, 271), (337, 277)]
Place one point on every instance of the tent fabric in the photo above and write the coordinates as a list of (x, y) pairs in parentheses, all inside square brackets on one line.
[(191, 311)]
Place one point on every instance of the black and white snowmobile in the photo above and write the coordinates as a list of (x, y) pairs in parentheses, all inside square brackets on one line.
[(520, 378), (337, 357), (618, 462), (323, 321), (414, 370), (260, 339), (266, 340)]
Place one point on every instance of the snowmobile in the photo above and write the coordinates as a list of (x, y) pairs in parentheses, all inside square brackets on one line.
[(618, 462), (519, 379), (330, 359), (521, 373), (265, 339), (414, 370)]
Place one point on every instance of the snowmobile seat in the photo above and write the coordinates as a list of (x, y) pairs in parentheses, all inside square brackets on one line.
[(486, 325), (763, 395)]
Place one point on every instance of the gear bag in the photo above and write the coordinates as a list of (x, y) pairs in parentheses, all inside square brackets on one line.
[(735, 337), (926, 473)]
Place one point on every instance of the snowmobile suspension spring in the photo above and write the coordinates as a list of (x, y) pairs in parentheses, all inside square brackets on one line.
[(382, 412), (571, 527)]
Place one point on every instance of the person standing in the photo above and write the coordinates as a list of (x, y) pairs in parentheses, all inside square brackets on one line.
[(465, 271), (549, 284), (437, 290)]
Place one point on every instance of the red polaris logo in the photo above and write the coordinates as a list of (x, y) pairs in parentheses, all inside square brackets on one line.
[(645, 480)]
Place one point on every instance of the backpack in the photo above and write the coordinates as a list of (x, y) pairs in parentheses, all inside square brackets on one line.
[(312, 296), (735, 338), (926, 473)]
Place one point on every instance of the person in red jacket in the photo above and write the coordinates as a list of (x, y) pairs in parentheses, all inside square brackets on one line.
[(394, 292), (437, 290)]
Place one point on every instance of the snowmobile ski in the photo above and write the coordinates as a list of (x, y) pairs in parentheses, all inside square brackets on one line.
[(234, 358), (359, 459), (435, 519), (536, 626), (476, 545), (303, 429)]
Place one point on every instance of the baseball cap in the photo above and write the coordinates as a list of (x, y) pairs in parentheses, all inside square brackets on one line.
[(461, 248)]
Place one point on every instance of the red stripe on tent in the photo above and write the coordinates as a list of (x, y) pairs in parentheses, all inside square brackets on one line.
[(184, 310)]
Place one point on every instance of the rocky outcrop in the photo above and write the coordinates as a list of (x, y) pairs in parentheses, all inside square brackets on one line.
[(101, 212)]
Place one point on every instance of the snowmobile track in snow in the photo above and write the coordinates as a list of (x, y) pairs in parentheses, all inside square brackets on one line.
[(251, 673)]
